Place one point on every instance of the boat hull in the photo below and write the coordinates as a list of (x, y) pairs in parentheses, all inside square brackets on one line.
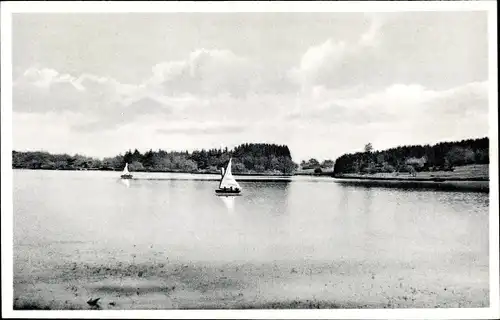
[(126, 176), (227, 192)]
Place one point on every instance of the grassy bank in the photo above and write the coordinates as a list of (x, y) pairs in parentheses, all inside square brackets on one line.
[(475, 172), (466, 178)]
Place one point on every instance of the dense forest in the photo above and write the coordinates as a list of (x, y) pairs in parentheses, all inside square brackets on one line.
[(247, 158), (442, 156)]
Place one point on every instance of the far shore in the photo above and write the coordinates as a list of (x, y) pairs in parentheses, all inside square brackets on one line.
[(464, 178), (408, 178), (269, 174), (470, 173), (475, 172)]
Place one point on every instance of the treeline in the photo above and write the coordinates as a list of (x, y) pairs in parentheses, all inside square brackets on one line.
[(315, 164), (443, 156), (247, 158)]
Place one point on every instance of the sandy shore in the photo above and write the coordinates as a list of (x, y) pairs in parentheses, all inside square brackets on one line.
[(165, 284)]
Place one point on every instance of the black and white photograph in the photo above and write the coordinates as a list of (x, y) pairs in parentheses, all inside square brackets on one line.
[(323, 160)]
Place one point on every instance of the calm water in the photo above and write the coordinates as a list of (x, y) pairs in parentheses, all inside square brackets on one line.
[(95, 216)]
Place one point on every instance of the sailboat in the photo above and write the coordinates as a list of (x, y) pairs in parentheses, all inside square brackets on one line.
[(126, 174), (228, 185)]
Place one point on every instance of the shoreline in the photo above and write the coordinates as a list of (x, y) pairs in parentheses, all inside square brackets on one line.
[(330, 174), (472, 185), (411, 179), (167, 284), (170, 171)]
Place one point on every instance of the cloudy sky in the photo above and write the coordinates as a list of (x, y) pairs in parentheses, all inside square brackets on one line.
[(322, 83)]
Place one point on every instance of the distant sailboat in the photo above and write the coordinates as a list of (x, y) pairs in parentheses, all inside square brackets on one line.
[(126, 174), (228, 185)]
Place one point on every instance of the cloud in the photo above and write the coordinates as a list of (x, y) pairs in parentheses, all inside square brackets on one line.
[(102, 102), (372, 35), (315, 59), (204, 72), (330, 62), (397, 103), (174, 90), (468, 100), (400, 48)]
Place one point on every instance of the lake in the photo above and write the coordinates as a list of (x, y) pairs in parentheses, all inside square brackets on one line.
[(165, 240)]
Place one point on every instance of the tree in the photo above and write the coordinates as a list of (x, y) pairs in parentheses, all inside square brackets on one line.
[(136, 166), (416, 162), (327, 164), (256, 157), (441, 156), (313, 162), (368, 148), (412, 170), (460, 156), (239, 167)]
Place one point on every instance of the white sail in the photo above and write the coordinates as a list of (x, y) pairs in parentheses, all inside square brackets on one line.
[(125, 171), (228, 180)]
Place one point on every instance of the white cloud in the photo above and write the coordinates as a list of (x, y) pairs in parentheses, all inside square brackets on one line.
[(371, 36), (203, 72), (104, 104), (398, 102), (315, 59), (327, 63)]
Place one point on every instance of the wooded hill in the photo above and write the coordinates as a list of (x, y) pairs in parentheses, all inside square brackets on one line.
[(443, 156), (247, 158)]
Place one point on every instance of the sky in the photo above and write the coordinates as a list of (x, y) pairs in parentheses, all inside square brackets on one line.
[(324, 84)]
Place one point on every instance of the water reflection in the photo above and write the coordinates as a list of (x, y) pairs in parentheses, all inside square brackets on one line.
[(125, 182), (228, 202)]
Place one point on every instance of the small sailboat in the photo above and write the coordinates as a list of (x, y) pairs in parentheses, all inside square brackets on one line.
[(126, 174), (228, 185)]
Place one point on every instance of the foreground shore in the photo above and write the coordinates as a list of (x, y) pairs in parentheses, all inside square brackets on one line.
[(159, 283)]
